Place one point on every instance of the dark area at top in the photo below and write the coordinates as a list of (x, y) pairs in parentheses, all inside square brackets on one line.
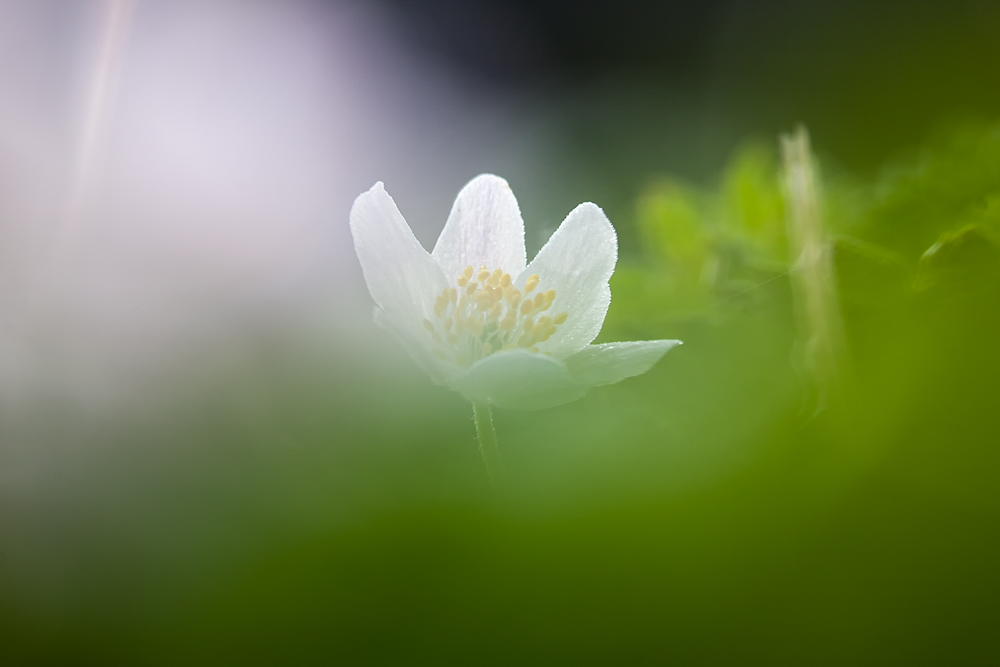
[(869, 77), (541, 40)]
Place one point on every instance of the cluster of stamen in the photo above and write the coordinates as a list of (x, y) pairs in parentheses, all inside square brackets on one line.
[(484, 313)]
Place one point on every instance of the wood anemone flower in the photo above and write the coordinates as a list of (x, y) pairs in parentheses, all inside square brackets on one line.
[(479, 321)]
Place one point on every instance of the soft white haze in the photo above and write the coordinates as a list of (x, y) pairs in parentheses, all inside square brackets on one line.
[(174, 174)]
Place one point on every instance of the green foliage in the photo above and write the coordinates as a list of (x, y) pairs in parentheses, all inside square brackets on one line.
[(706, 248), (966, 261), (952, 182), (710, 248), (753, 207)]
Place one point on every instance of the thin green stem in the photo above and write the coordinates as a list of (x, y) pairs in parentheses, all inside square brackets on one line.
[(488, 444)]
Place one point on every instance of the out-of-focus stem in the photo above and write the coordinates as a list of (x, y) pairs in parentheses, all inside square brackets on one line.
[(812, 270), (488, 444)]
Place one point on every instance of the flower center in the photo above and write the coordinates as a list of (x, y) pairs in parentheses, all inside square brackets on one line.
[(485, 313)]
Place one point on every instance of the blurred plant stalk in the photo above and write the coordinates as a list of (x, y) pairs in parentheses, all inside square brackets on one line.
[(819, 352), (487, 436), (96, 118)]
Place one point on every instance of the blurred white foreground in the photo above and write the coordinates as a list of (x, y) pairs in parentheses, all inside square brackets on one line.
[(175, 174)]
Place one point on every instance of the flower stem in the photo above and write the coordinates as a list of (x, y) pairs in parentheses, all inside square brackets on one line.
[(488, 444)]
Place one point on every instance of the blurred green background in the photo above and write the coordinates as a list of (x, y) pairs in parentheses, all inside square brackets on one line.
[(303, 495)]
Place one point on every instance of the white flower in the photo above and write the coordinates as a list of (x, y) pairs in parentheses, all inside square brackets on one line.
[(478, 320)]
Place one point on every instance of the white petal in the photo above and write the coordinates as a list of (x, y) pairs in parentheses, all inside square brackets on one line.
[(402, 277), (518, 380), (484, 229), (414, 346), (577, 262), (609, 363)]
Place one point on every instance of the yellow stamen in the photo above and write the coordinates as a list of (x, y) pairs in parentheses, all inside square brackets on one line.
[(483, 313)]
